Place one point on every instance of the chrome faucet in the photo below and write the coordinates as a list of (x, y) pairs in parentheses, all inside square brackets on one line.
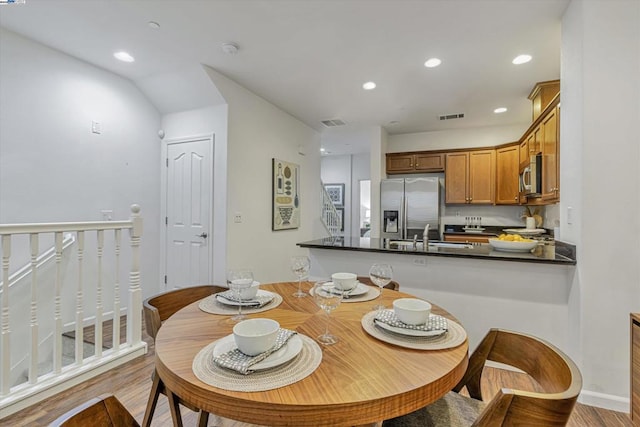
[(415, 241), (425, 237)]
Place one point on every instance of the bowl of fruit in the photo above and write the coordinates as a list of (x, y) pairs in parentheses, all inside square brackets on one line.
[(513, 243)]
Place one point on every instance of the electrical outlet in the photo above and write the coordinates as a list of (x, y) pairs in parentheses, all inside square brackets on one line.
[(237, 217), (420, 261), (457, 213), (95, 127), (107, 214)]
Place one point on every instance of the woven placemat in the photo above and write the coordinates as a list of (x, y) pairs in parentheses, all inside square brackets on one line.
[(211, 305), (293, 371), (455, 336)]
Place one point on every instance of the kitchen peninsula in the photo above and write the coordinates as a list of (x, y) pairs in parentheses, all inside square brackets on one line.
[(546, 252), (483, 288)]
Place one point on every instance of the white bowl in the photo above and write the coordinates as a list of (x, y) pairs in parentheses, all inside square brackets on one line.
[(250, 292), (344, 281), (412, 311), (505, 245), (255, 336)]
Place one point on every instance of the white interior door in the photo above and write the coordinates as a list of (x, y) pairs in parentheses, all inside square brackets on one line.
[(188, 216)]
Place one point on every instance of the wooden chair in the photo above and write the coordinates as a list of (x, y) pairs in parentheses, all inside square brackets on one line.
[(103, 411), (553, 371), (156, 310), (395, 286)]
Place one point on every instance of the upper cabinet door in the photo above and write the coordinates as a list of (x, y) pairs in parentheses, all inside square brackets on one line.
[(398, 163), (456, 177), (550, 184), (429, 162), (507, 168), (482, 176)]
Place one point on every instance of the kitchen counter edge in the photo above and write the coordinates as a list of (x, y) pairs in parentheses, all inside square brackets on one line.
[(565, 253)]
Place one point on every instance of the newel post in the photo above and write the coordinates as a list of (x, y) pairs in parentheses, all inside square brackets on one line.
[(134, 317)]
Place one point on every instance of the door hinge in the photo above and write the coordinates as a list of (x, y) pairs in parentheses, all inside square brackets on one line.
[(165, 279), (166, 220), (167, 161)]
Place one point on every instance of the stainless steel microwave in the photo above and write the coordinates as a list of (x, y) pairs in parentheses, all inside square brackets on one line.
[(531, 177)]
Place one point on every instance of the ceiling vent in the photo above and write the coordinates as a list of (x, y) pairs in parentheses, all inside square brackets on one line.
[(333, 122), (452, 116)]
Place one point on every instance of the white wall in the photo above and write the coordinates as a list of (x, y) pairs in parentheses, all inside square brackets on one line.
[(208, 121), (601, 182), (360, 170), (53, 168), (257, 132), (456, 138)]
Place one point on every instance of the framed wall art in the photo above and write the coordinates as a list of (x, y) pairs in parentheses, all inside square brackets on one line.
[(285, 178), (336, 193)]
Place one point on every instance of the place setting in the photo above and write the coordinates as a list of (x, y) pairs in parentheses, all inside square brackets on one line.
[(411, 324), (259, 355), (351, 290), (244, 296)]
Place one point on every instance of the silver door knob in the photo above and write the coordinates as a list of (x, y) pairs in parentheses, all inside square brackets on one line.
[(203, 235)]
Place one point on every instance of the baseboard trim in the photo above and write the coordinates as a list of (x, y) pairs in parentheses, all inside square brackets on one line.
[(605, 401)]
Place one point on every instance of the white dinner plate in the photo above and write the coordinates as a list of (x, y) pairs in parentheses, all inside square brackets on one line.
[(287, 352), (261, 295), (360, 289), (410, 332)]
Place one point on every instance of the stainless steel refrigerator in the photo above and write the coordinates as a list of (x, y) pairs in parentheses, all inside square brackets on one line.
[(408, 205)]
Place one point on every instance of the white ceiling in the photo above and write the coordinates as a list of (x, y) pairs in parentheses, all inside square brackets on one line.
[(311, 57)]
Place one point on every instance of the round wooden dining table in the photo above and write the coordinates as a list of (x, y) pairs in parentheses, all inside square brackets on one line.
[(360, 380)]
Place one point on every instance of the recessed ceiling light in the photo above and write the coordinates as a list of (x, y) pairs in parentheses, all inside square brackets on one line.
[(521, 59), (500, 110), (124, 56), (154, 25), (369, 86), (432, 62), (322, 150)]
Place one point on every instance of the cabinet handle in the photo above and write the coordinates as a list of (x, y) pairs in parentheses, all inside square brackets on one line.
[(515, 198), (416, 164)]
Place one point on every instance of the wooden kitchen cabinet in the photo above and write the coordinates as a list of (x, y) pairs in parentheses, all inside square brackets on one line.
[(419, 162), (470, 177), (507, 175), (467, 238), (550, 156)]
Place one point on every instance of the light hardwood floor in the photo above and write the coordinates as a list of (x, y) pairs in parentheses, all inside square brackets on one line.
[(131, 383)]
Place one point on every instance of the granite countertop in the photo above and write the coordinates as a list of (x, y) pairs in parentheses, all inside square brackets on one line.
[(547, 252)]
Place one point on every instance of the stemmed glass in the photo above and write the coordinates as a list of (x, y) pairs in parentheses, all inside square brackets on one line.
[(381, 275), (300, 266), (327, 299), (237, 280)]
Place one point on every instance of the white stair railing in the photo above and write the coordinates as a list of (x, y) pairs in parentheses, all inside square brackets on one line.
[(330, 217), (38, 387)]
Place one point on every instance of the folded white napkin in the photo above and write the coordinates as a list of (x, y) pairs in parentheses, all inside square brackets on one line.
[(434, 323), (230, 296), (240, 362)]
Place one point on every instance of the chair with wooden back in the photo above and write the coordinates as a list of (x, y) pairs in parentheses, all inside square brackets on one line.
[(156, 310), (103, 411), (393, 285), (555, 373)]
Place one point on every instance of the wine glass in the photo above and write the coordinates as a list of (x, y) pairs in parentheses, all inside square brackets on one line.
[(381, 275), (325, 295), (237, 280), (300, 266)]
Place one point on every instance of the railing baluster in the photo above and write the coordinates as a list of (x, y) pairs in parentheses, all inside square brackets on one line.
[(134, 318), (99, 308), (33, 357), (79, 302), (5, 373), (57, 309), (116, 294)]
